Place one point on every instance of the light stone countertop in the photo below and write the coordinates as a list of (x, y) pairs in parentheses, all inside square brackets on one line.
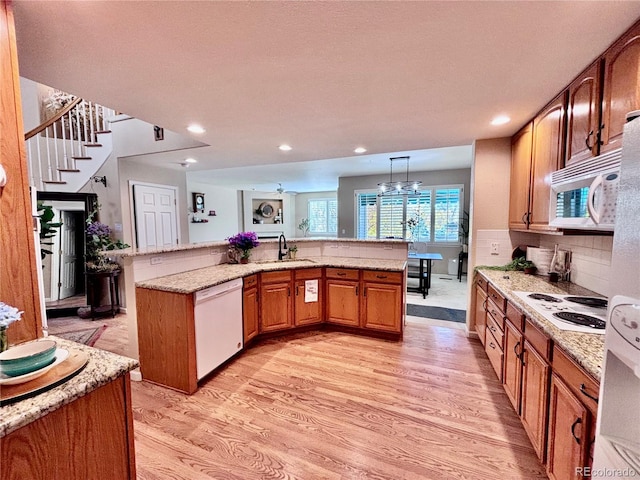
[(102, 368), (195, 280), (587, 349), (134, 252)]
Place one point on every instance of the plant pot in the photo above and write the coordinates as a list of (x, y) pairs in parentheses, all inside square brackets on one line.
[(530, 270), (244, 260)]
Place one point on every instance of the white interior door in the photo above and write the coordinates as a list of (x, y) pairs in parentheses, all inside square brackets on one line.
[(155, 216), (68, 255)]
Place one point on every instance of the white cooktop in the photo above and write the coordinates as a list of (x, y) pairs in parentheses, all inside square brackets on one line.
[(547, 309)]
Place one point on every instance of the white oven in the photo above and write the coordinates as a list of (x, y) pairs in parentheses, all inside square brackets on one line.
[(584, 195), (617, 446)]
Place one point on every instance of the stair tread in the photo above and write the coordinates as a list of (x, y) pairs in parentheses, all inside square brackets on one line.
[(92, 144), (54, 182), (82, 158), (68, 170)]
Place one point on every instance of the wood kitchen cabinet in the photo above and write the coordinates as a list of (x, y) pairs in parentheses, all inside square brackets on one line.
[(583, 115), (308, 313), (276, 301), (481, 313), (250, 308), (512, 378), (382, 294), (343, 296), (621, 86), (547, 157), (519, 192)]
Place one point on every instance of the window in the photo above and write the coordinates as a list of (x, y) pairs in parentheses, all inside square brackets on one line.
[(433, 216), (323, 216)]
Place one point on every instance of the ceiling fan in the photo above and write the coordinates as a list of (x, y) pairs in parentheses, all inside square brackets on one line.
[(280, 190)]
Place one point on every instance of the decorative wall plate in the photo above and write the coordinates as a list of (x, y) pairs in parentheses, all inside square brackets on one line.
[(266, 210)]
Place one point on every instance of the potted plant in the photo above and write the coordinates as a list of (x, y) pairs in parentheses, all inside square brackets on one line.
[(529, 267), (293, 251), (99, 241), (243, 243), (304, 226), (8, 315)]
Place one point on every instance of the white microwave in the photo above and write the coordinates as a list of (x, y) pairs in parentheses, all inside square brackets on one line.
[(584, 195)]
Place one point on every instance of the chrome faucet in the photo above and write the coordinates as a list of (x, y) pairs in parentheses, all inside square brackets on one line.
[(282, 240)]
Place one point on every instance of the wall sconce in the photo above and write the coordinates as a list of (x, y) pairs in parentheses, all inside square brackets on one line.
[(100, 179)]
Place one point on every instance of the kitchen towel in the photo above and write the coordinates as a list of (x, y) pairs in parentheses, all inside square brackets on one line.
[(310, 291)]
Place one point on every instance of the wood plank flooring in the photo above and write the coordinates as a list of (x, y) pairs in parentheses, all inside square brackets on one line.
[(327, 405)]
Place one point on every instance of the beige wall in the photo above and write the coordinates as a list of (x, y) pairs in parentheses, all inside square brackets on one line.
[(301, 204)]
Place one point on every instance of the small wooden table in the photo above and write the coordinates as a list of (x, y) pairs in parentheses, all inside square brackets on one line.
[(424, 282), (94, 283)]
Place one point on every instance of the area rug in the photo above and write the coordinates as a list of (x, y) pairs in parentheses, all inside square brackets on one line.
[(88, 336), (438, 313)]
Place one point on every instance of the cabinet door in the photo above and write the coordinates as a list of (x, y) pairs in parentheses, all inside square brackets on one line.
[(512, 376), (275, 306), (583, 114), (382, 307), (521, 146), (307, 313), (535, 390), (548, 156), (343, 302), (568, 429), (621, 87), (250, 313), (481, 313)]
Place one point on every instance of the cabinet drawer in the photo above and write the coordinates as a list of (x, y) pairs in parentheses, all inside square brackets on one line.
[(343, 273), (496, 313), (481, 282), (579, 382), (308, 273), (515, 316), (494, 352), (498, 298), (277, 276), (538, 339), (498, 333), (382, 276), (250, 281)]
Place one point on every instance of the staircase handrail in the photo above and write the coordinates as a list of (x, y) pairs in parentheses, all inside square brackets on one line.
[(42, 127)]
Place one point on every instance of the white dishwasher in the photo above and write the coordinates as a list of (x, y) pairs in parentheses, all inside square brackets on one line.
[(218, 317)]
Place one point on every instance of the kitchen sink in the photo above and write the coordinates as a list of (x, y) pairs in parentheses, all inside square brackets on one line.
[(288, 260)]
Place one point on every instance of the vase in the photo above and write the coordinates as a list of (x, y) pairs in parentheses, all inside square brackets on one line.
[(232, 255), (4, 341), (244, 260)]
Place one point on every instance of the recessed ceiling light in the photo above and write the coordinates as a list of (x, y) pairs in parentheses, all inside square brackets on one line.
[(284, 147), (195, 128), (500, 120), (190, 160), (360, 150)]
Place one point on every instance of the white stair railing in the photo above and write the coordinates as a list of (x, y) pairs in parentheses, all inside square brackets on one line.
[(62, 142)]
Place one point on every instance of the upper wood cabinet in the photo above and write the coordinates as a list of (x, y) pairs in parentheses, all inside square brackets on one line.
[(583, 115), (547, 157), (621, 86), (521, 145)]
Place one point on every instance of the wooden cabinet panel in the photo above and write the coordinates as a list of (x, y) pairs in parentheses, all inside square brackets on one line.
[(494, 352), (534, 401), (576, 379), (547, 157), (166, 335), (481, 313), (250, 313), (91, 437), (276, 276), (482, 283), (521, 147), (250, 282), (515, 316), (307, 313), (495, 317), (498, 300), (343, 273), (276, 306), (382, 307), (496, 331), (512, 376), (621, 86), (583, 115), (382, 277), (343, 306), (538, 339), (18, 275), (568, 433)]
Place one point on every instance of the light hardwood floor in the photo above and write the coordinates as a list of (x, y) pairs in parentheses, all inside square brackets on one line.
[(330, 405)]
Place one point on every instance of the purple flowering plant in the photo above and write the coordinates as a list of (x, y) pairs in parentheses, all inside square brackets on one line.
[(99, 240), (244, 241)]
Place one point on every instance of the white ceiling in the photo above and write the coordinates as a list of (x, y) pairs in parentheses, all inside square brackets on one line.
[(324, 77)]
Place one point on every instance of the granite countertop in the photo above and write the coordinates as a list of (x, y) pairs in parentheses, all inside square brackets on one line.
[(194, 280), (134, 252), (587, 349), (102, 368)]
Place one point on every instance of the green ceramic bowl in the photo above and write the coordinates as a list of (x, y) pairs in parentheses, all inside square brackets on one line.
[(27, 357)]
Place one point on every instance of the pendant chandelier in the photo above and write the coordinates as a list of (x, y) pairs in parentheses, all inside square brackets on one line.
[(399, 187)]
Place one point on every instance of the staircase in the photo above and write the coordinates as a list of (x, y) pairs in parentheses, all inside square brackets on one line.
[(66, 151)]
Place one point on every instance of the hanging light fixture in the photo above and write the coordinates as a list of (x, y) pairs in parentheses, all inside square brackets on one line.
[(399, 187)]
